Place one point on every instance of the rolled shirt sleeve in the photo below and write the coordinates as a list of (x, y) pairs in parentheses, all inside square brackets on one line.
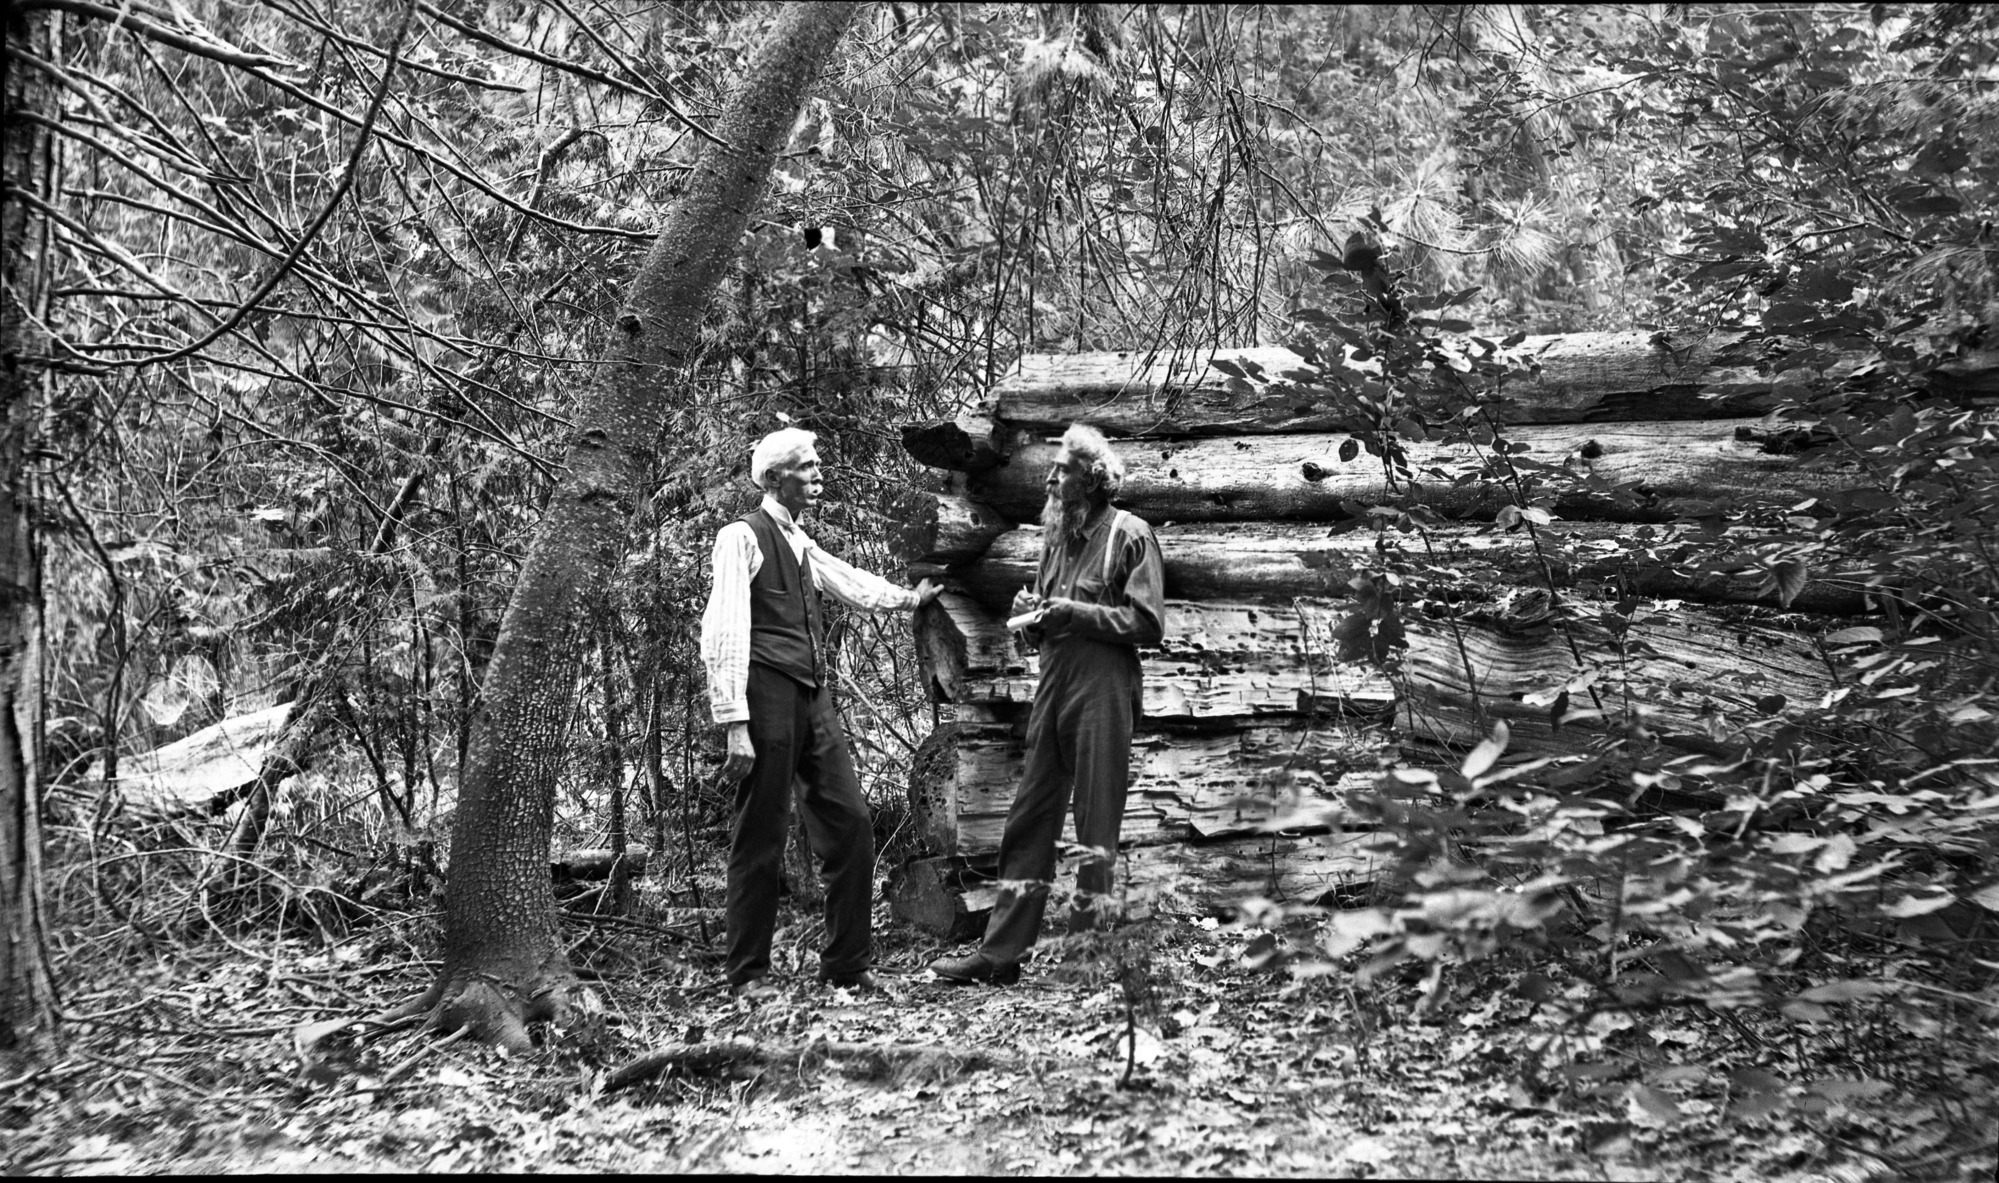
[(854, 587), (725, 626)]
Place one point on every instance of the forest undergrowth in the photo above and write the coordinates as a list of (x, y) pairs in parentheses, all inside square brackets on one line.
[(1176, 1045)]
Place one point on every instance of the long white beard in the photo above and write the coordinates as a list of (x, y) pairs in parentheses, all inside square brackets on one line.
[(1062, 521)]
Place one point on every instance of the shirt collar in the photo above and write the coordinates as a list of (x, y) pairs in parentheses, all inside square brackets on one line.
[(780, 514)]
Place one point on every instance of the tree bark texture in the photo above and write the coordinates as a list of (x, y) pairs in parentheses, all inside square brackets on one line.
[(503, 966), (27, 990), (1583, 378), (1670, 469)]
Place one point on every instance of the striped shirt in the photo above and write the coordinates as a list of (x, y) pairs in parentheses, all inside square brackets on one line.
[(725, 626)]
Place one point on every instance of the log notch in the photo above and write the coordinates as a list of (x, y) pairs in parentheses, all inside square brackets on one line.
[(1246, 710)]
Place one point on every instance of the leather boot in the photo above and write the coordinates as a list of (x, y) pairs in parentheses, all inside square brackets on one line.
[(975, 967)]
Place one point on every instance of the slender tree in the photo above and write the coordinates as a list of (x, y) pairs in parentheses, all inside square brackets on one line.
[(26, 991), (503, 966)]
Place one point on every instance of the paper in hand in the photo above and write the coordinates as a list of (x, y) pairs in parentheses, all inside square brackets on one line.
[(1024, 620)]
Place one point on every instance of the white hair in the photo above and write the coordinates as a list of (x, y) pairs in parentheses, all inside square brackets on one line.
[(779, 452), (1106, 467)]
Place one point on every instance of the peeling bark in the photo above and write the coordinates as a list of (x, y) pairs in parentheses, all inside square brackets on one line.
[(503, 967)]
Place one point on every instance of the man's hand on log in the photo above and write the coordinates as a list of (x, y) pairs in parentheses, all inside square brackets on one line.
[(742, 754), (926, 591)]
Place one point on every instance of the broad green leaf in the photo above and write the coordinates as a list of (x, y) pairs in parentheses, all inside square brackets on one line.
[(1649, 1103), (1845, 1091), (1914, 905), (1850, 990), (1488, 750), (1790, 580)]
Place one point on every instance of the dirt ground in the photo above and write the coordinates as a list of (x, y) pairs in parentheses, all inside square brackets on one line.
[(1159, 1052)]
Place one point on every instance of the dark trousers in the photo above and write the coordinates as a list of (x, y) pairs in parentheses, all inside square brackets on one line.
[(798, 738), (1078, 739)]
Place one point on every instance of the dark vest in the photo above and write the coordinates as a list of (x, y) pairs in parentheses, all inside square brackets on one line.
[(785, 627)]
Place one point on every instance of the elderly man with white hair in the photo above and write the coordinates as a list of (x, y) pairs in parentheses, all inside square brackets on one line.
[(761, 641), (1098, 598)]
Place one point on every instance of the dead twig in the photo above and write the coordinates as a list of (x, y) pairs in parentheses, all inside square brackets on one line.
[(714, 1055), (403, 1069)]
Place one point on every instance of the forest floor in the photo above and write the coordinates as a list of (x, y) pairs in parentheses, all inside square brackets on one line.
[(1159, 1051)]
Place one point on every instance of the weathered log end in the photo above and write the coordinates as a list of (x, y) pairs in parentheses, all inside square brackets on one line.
[(964, 444), (928, 893), (945, 529)]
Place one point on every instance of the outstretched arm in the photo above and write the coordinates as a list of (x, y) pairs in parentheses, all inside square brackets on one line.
[(865, 590)]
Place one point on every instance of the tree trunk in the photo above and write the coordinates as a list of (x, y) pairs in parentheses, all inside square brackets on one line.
[(503, 966), (27, 992)]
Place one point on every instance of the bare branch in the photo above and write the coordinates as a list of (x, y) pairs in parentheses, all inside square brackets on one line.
[(566, 66), (151, 29)]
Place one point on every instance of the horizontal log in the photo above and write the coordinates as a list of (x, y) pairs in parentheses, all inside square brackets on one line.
[(1696, 689), (1583, 378), (942, 528), (1222, 660), (952, 897), (1216, 660), (1673, 469), (966, 443), (1279, 561), (1186, 782), (205, 772)]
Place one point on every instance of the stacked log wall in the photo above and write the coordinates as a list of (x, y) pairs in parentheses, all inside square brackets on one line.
[(1250, 722)]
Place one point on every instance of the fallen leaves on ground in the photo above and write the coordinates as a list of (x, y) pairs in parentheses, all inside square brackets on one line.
[(1155, 1052)]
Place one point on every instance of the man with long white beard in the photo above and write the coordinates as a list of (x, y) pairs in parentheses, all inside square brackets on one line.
[(1098, 598)]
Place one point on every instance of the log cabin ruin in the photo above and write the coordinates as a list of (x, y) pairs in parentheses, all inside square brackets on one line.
[(1251, 722)]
